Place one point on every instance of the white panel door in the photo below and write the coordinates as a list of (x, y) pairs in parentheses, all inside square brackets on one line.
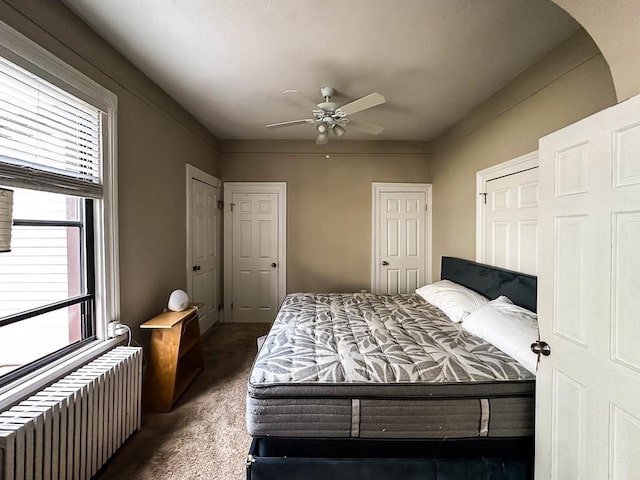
[(587, 408), (255, 257), (402, 241), (205, 257), (511, 221)]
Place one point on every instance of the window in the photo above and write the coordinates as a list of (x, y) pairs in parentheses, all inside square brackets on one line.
[(46, 280), (59, 282)]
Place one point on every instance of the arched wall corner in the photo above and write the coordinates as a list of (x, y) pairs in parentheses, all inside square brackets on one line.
[(614, 28)]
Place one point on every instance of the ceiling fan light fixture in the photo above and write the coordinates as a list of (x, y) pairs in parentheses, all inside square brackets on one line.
[(338, 130), (322, 128), (322, 139)]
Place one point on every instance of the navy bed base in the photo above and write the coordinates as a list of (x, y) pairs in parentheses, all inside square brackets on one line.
[(308, 459), (360, 459)]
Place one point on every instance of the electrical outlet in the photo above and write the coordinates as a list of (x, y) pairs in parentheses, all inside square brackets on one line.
[(121, 329), (363, 291), (112, 329), (115, 329)]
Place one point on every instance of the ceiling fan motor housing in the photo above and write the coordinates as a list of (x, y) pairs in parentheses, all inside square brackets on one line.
[(328, 107), (327, 92)]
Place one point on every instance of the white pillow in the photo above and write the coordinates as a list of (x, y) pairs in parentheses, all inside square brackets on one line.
[(508, 327), (453, 299)]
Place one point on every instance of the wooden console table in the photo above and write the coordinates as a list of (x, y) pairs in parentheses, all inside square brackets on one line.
[(175, 358)]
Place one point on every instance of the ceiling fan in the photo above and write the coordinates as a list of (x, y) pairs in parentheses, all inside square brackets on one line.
[(329, 116)]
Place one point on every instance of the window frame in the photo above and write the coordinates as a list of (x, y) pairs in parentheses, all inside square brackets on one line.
[(20, 50)]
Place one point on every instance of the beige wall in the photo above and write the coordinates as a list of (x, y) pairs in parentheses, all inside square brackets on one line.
[(570, 83), (328, 201), (156, 137), (614, 25)]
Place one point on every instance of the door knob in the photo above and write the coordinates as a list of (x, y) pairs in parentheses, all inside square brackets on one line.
[(274, 264), (541, 348), (196, 268), (385, 263)]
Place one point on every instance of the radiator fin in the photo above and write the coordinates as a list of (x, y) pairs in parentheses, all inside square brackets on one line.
[(68, 430)]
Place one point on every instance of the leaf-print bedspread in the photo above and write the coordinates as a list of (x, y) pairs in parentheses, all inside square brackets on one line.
[(367, 338)]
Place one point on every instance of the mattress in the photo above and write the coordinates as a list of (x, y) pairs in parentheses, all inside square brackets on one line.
[(382, 366)]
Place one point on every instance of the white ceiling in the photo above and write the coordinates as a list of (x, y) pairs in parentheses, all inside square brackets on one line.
[(227, 61)]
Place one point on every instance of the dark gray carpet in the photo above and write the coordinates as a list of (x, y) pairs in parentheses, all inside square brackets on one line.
[(204, 437)]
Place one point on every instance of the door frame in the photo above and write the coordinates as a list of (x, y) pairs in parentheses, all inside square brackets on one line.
[(389, 187), (503, 169), (193, 172), (278, 188)]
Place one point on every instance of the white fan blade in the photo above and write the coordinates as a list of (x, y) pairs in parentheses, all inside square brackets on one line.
[(303, 97), (291, 123), (371, 100), (366, 127), (322, 139)]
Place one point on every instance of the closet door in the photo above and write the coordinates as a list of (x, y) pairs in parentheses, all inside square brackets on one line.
[(255, 257), (401, 242), (205, 259), (254, 250), (511, 221), (204, 239)]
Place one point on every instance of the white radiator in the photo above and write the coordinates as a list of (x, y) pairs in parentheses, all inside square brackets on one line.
[(69, 430)]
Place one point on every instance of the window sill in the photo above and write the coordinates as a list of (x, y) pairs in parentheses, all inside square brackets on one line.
[(29, 384)]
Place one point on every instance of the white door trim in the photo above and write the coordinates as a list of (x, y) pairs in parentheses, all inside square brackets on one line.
[(202, 176), (516, 165), (382, 187), (278, 188)]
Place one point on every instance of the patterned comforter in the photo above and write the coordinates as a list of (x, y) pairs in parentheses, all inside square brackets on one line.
[(372, 339)]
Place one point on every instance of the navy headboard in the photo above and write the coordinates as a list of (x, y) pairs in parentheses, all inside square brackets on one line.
[(492, 282)]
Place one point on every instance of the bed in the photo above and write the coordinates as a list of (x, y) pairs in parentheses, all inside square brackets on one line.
[(394, 366), (351, 369)]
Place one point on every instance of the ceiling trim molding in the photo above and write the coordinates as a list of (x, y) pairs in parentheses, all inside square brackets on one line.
[(323, 155), (334, 148)]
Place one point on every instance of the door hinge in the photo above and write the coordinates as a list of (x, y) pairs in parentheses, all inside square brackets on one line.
[(231, 205), (220, 204), (426, 207), (231, 305), (485, 197), (219, 307)]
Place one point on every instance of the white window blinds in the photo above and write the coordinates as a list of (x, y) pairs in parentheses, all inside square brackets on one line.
[(49, 139)]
